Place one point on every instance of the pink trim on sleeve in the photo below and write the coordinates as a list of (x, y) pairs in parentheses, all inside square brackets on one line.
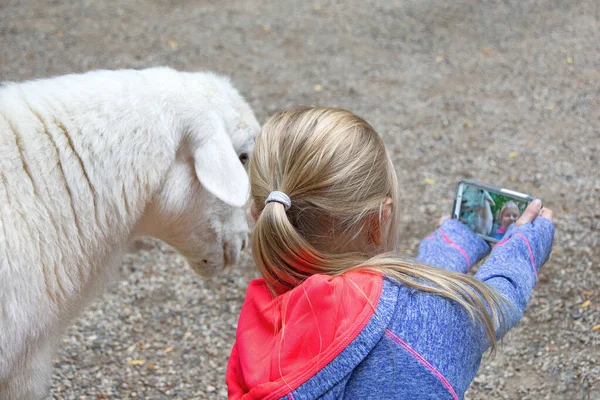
[(519, 234), (503, 242), (423, 361), (530, 252), (457, 247)]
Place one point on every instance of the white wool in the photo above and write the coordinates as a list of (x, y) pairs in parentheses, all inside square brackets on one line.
[(477, 209), (88, 162)]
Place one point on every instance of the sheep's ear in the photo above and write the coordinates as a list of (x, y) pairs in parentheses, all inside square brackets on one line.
[(489, 198), (219, 169)]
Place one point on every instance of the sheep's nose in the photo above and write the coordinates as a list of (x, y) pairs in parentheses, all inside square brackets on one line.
[(231, 252)]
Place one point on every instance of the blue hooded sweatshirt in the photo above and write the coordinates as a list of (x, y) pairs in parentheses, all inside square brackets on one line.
[(364, 336)]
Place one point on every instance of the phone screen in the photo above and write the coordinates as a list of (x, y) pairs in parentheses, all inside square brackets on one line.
[(487, 210)]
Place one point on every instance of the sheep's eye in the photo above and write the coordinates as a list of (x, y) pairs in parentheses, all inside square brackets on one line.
[(244, 158)]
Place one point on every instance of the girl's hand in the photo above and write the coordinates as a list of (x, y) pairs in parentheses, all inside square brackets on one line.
[(532, 212), (444, 218)]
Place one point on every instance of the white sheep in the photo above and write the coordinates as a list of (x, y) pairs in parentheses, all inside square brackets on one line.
[(88, 162), (476, 209)]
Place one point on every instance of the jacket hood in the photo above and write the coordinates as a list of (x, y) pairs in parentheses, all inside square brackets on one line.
[(283, 341)]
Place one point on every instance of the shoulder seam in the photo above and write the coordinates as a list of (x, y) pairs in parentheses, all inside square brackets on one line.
[(433, 370)]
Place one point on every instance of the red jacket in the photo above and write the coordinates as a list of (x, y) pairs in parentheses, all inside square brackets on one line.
[(287, 339)]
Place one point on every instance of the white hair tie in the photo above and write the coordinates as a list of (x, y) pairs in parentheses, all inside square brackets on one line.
[(279, 197)]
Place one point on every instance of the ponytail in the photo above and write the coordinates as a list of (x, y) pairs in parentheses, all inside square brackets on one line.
[(336, 171)]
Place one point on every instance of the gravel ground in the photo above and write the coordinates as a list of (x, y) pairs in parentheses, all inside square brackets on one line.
[(506, 92)]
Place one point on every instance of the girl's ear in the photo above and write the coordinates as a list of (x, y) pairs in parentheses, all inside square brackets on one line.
[(387, 208), (376, 223)]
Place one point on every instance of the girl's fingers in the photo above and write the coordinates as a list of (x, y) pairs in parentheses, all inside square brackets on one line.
[(547, 213), (530, 213), (444, 218)]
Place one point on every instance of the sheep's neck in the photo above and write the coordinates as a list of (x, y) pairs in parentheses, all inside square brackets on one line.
[(82, 173)]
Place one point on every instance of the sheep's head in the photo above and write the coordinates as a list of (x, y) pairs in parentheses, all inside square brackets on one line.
[(200, 210), (473, 199)]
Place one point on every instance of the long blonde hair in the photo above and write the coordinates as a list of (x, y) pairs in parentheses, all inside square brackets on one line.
[(508, 204), (334, 167)]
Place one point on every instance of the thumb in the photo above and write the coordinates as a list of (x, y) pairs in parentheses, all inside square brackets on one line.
[(530, 213)]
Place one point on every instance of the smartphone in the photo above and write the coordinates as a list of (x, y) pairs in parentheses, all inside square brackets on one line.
[(489, 211)]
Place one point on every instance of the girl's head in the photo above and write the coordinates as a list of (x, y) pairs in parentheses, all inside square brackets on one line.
[(343, 189), (509, 213)]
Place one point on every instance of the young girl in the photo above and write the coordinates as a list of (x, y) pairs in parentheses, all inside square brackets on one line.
[(508, 215), (336, 316)]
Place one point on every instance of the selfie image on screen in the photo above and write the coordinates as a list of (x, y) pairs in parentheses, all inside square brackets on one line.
[(489, 213)]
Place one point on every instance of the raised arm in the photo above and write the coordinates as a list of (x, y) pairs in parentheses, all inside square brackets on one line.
[(452, 246), (512, 267)]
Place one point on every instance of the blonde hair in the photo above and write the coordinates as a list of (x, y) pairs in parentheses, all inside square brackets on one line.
[(334, 167), (506, 205)]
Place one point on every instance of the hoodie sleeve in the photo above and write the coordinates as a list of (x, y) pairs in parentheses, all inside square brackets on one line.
[(453, 246), (512, 267)]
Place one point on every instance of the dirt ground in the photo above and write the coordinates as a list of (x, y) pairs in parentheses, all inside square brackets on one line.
[(503, 91)]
